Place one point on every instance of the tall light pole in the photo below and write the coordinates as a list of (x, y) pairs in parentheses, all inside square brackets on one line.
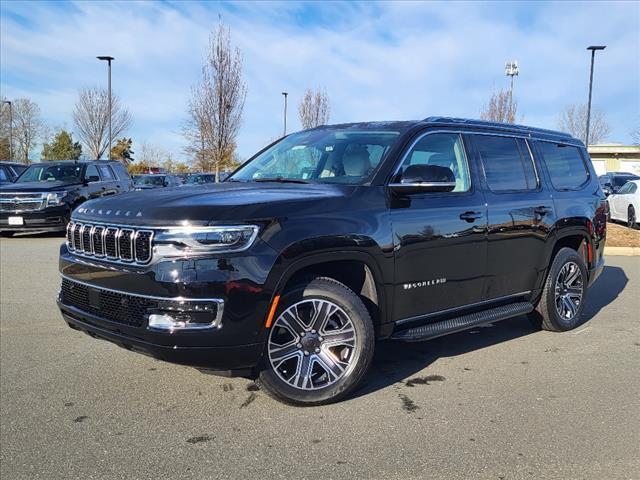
[(285, 113), (10, 128), (108, 60), (593, 49), (511, 70)]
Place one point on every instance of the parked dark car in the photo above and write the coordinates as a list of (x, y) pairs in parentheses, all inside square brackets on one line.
[(10, 171), (199, 179), (334, 238), (612, 182), (149, 182), (44, 195)]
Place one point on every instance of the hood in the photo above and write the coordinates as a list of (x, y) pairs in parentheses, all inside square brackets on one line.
[(36, 186), (237, 202)]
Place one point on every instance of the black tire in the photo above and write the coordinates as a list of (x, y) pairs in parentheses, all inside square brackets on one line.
[(352, 312), (631, 217), (547, 315), (5, 234)]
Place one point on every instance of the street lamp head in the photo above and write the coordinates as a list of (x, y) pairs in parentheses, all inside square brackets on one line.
[(511, 69), (597, 47), (105, 57)]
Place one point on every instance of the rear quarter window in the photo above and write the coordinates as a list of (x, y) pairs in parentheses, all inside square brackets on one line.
[(121, 171), (565, 165)]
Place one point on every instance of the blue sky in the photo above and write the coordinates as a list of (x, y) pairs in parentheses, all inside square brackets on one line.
[(377, 61)]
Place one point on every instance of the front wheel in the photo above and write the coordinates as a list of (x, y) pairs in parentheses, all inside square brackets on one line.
[(320, 345), (631, 217), (562, 301)]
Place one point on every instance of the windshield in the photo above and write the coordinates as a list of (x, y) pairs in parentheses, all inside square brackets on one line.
[(197, 179), (148, 180), (51, 173), (348, 156)]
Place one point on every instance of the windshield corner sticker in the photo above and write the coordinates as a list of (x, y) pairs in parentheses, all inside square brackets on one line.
[(424, 283)]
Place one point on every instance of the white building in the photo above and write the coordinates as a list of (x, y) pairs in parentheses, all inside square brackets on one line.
[(615, 157)]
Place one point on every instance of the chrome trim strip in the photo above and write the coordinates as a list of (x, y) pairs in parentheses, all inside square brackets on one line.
[(115, 241), (132, 233), (151, 297), (460, 308), (424, 184)]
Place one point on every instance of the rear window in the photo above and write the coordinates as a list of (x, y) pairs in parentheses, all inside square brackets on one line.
[(566, 167), (507, 166)]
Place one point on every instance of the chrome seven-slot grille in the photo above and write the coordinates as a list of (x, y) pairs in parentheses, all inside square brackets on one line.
[(111, 243)]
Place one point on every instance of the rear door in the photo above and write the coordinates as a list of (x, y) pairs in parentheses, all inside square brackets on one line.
[(109, 180), (520, 214), (439, 237)]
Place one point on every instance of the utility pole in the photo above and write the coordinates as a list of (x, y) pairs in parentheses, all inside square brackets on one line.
[(10, 128), (108, 60), (511, 70), (593, 55), (285, 113)]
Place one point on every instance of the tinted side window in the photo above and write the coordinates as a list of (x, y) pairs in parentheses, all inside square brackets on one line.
[(91, 171), (506, 166), (633, 188), (3, 175), (121, 171), (565, 165), (626, 188), (443, 150), (106, 173)]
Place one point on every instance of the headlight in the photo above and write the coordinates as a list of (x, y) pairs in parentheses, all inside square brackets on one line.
[(55, 198), (180, 241)]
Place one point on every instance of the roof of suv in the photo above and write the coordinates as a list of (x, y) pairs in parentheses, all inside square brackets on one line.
[(451, 121)]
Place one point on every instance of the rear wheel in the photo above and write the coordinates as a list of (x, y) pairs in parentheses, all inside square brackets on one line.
[(631, 217), (562, 301), (320, 345)]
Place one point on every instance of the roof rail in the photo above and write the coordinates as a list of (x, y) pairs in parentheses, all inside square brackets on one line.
[(496, 125)]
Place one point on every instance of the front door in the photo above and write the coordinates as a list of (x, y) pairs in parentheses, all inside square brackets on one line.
[(521, 215), (439, 238)]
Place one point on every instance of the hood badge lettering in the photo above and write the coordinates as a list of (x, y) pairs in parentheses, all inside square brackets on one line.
[(117, 213)]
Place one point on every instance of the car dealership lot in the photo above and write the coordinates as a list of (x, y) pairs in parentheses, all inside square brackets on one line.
[(496, 402)]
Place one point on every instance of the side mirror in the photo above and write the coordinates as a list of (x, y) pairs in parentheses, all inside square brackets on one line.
[(425, 178)]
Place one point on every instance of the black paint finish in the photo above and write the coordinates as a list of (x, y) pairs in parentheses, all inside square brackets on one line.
[(426, 252)]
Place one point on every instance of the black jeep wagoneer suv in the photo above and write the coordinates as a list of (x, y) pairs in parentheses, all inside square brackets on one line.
[(333, 238)]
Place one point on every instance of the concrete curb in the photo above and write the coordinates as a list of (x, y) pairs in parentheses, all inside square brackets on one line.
[(622, 251)]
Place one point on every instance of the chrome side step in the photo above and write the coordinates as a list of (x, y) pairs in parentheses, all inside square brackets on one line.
[(458, 324)]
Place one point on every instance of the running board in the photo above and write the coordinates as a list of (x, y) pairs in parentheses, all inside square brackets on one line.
[(458, 324)]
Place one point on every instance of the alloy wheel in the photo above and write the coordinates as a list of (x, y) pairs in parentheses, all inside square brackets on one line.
[(312, 344), (569, 290)]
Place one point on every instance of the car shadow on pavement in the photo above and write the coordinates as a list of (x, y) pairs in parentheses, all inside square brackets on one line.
[(605, 290), (398, 362)]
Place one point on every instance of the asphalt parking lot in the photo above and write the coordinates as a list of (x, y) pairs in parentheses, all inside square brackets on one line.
[(500, 402)]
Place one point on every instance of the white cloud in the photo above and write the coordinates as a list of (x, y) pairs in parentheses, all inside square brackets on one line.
[(377, 61)]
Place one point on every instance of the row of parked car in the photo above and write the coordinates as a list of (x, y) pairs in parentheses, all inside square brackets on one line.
[(41, 196)]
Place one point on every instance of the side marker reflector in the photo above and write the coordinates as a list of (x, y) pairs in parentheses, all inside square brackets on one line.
[(272, 311)]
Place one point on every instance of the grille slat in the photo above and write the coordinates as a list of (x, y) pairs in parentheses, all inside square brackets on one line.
[(116, 244), (116, 307), (21, 202)]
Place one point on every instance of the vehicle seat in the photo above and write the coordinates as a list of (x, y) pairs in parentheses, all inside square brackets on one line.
[(355, 161)]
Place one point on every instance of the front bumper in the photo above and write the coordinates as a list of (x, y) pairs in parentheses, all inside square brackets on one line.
[(50, 219), (237, 282), (238, 358)]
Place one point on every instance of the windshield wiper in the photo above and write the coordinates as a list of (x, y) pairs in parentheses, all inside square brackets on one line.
[(280, 180)]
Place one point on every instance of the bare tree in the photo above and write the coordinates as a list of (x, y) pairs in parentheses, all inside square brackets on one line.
[(152, 155), (91, 119), (501, 108), (314, 108), (573, 120), (216, 103), (27, 128)]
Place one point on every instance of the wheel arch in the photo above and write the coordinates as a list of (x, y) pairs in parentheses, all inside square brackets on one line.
[(356, 269)]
